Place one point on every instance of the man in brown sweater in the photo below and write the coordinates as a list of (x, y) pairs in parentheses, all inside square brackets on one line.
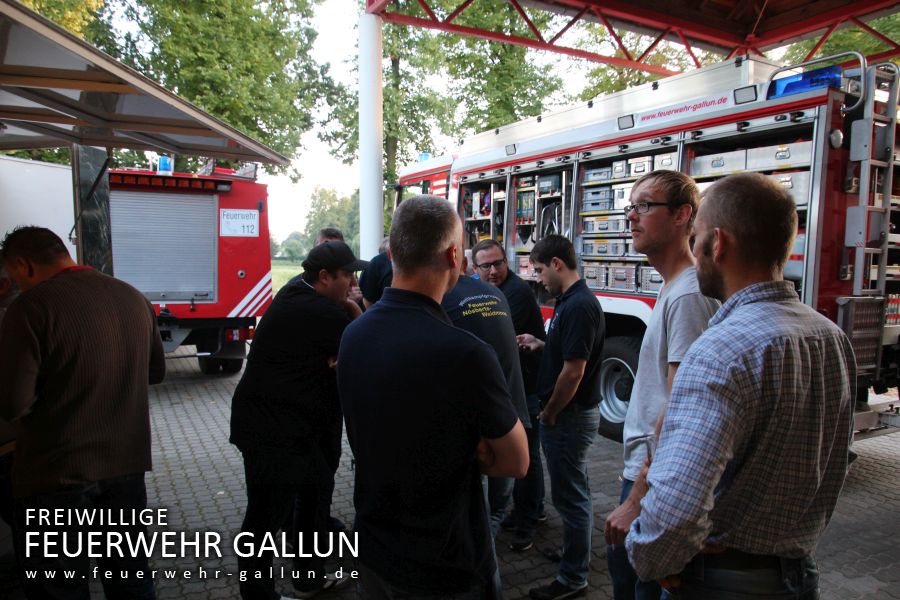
[(77, 351)]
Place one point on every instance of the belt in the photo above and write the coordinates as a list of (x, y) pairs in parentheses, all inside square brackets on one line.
[(735, 560)]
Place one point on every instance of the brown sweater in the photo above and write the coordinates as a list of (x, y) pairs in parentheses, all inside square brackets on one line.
[(76, 355)]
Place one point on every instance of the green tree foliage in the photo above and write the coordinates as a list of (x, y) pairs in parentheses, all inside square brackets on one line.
[(849, 38), (74, 15), (292, 246), (327, 209), (274, 246)]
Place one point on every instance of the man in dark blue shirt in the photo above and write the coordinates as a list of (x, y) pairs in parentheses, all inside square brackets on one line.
[(421, 433), (528, 493), (569, 388), (482, 310)]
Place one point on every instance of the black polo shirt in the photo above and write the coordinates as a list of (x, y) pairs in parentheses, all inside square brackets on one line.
[(481, 309), (288, 392), (418, 394), (376, 277), (575, 332), (526, 316)]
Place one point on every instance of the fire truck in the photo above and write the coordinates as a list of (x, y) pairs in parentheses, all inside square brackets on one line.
[(827, 134), (197, 246)]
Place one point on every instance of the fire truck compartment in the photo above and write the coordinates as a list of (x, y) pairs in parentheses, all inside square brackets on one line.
[(165, 244)]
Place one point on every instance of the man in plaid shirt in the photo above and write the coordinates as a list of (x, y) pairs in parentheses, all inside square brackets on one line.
[(754, 444)]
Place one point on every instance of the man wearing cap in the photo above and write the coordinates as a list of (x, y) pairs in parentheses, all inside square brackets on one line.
[(285, 412)]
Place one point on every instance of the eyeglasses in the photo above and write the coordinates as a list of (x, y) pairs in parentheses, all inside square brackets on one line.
[(644, 207), (496, 265)]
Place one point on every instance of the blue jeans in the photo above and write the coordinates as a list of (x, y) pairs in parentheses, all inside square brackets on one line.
[(528, 492), (626, 585), (565, 445), (499, 493), (118, 493), (796, 579)]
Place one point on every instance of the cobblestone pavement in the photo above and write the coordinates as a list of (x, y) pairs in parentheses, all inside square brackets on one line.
[(198, 477)]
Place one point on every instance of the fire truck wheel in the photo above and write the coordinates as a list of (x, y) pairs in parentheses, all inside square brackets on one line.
[(209, 366), (620, 360), (230, 366)]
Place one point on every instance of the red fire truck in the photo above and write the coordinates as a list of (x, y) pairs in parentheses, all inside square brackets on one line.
[(825, 134), (197, 246)]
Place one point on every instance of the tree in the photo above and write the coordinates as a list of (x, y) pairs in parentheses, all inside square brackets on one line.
[(850, 38), (329, 210), (293, 246), (74, 15), (274, 246)]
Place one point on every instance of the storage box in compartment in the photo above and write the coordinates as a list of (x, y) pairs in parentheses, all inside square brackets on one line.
[(797, 185), (621, 195), (793, 269), (651, 280), (621, 278), (523, 266), (785, 156), (595, 205), (594, 275), (666, 162), (549, 185), (601, 247), (620, 169), (597, 174), (719, 164), (640, 166), (605, 224), (525, 181), (604, 192)]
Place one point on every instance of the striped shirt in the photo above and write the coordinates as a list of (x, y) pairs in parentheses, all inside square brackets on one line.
[(754, 446)]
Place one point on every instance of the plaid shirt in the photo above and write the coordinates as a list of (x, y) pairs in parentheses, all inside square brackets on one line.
[(754, 446)]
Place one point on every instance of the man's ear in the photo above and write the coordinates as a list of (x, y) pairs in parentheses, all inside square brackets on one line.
[(454, 260), (722, 245), (683, 214), (556, 263)]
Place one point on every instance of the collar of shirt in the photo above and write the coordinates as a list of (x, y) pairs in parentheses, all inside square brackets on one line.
[(412, 299), (575, 287), (767, 291)]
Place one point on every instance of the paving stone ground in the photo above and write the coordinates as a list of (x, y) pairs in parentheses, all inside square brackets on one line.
[(198, 477)]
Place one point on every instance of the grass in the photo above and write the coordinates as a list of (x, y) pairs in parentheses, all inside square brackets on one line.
[(282, 270)]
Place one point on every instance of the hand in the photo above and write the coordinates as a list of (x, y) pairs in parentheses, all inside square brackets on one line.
[(484, 455), (619, 522), (528, 342), (670, 582), (547, 418), (352, 308), (355, 294), (332, 362)]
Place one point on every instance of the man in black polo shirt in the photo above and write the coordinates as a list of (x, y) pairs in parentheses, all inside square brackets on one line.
[(376, 277), (482, 309), (528, 493), (419, 431), (569, 389), (285, 413)]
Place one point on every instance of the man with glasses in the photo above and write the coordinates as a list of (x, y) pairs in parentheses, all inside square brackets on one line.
[(286, 416), (661, 216), (528, 493)]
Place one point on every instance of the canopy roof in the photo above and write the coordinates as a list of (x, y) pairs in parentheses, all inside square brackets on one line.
[(727, 27), (56, 89)]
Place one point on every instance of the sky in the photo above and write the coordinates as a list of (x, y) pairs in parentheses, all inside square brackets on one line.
[(289, 202)]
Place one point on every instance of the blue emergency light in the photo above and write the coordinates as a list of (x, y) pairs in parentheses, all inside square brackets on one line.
[(804, 82)]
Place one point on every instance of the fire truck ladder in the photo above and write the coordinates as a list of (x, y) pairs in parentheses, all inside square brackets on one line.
[(868, 223)]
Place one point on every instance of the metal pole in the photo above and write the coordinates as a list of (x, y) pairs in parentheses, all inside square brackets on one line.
[(371, 137)]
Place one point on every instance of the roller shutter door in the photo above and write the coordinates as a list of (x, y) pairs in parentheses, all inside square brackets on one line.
[(165, 244)]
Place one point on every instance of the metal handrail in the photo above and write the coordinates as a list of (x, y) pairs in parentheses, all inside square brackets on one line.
[(862, 74)]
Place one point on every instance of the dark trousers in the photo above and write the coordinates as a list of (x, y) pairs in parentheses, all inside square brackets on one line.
[(528, 492), (626, 585), (722, 577), (274, 482), (126, 493)]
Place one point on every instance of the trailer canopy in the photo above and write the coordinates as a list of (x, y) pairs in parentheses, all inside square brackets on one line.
[(56, 90)]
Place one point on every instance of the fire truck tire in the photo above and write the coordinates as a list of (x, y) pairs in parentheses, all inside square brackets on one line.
[(209, 366), (230, 366), (620, 360)]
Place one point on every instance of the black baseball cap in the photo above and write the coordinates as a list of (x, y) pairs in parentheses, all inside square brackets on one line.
[(333, 256)]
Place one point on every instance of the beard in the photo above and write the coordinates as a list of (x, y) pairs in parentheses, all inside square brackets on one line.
[(709, 276)]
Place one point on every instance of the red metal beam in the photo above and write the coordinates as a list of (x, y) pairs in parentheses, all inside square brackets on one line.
[(653, 45), (427, 10), (521, 11), (458, 10), (877, 34), (822, 41), (820, 21), (574, 20), (687, 47), (375, 7), (520, 41), (612, 32)]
